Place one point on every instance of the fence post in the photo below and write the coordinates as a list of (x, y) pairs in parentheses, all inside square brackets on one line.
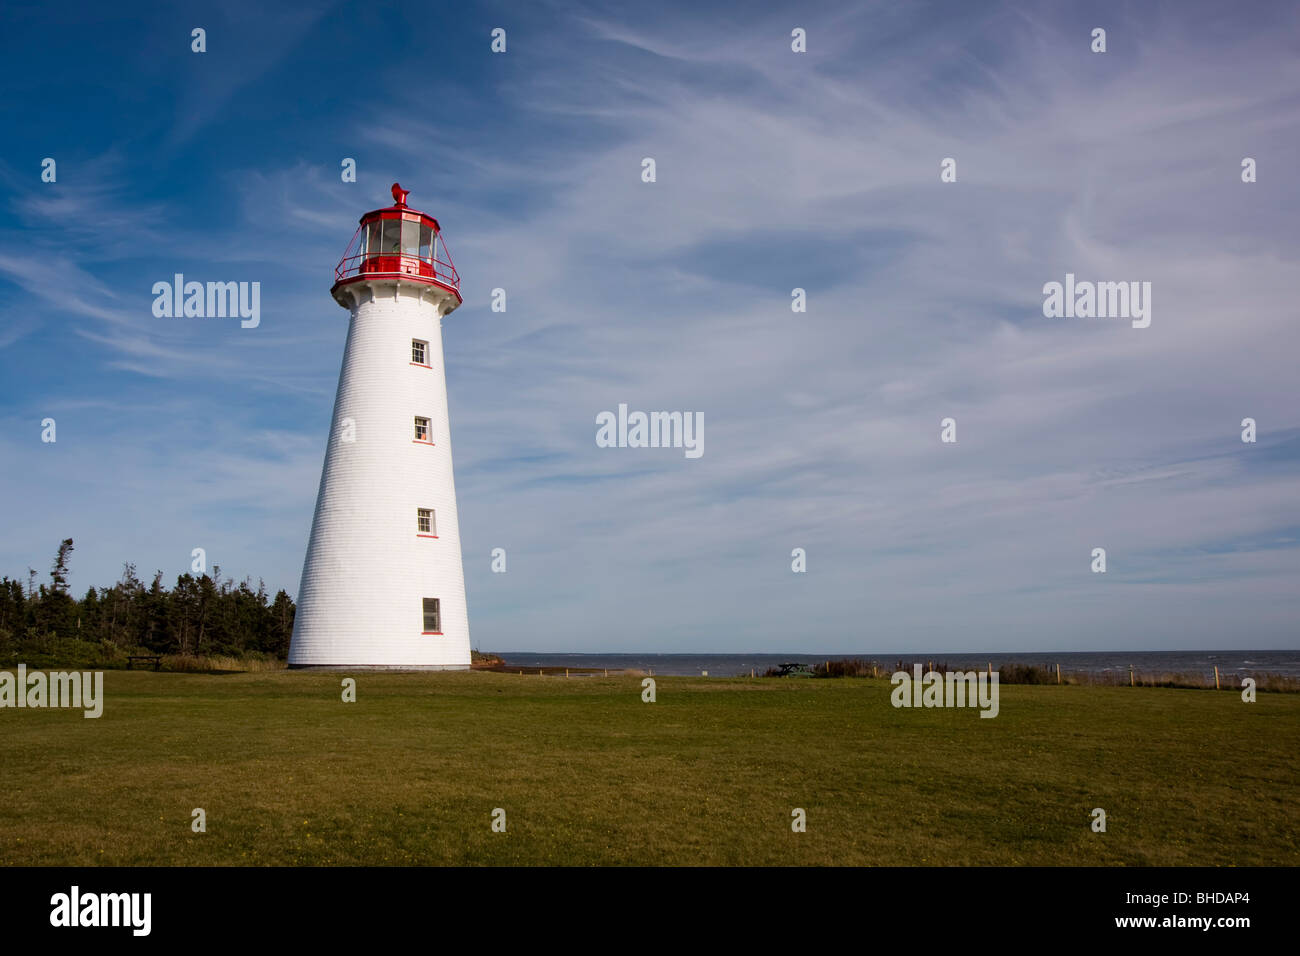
[(1130, 675), (1216, 676), (1058, 673)]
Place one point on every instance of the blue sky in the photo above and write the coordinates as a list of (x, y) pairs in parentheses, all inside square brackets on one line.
[(774, 170)]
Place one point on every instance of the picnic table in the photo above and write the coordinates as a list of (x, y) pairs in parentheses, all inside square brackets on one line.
[(793, 667)]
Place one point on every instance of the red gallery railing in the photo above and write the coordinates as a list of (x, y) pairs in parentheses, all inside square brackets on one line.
[(380, 264)]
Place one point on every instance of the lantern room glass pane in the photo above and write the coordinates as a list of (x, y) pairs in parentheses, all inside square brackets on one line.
[(410, 238), (426, 234), (392, 232)]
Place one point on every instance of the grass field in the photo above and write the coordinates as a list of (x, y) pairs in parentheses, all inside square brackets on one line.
[(589, 774)]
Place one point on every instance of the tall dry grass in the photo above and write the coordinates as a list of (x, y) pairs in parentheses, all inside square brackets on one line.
[(220, 664), (1036, 674)]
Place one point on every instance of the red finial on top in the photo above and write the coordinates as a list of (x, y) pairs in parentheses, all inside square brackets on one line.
[(400, 194)]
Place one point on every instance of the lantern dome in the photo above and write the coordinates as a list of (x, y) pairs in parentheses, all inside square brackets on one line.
[(397, 244)]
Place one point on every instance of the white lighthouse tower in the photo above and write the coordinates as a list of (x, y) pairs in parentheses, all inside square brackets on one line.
[(383, 585)]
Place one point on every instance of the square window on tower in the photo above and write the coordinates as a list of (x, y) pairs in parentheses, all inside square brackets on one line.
[(432, 616), (422, 430), (419, 352), (424, 521)]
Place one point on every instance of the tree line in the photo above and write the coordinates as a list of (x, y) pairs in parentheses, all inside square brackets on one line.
[(199, 615)]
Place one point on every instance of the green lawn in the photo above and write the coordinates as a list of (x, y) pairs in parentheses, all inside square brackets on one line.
[(588, 774)]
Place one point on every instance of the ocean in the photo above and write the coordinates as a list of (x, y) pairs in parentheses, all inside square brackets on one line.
[(1286, 663)]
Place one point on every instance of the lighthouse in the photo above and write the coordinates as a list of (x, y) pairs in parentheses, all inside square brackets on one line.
[(382, 585)]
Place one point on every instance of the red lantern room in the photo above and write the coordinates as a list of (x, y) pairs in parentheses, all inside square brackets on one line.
[(398, 243)]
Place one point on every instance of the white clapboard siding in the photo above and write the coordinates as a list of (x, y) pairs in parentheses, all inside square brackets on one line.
[(367, 571)]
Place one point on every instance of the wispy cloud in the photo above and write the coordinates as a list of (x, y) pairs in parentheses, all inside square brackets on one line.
[(778, 170)]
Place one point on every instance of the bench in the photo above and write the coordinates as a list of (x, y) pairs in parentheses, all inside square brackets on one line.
[(156, 658)]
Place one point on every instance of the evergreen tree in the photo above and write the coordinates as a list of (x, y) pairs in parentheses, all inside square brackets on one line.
[(282, 614), (58, 611), (200, 615)]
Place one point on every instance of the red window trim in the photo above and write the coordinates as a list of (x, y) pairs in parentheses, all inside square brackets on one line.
[(421, 365), (421, 534), (437, 633)]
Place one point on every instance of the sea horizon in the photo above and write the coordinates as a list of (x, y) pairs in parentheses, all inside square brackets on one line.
[(1285, 662)]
